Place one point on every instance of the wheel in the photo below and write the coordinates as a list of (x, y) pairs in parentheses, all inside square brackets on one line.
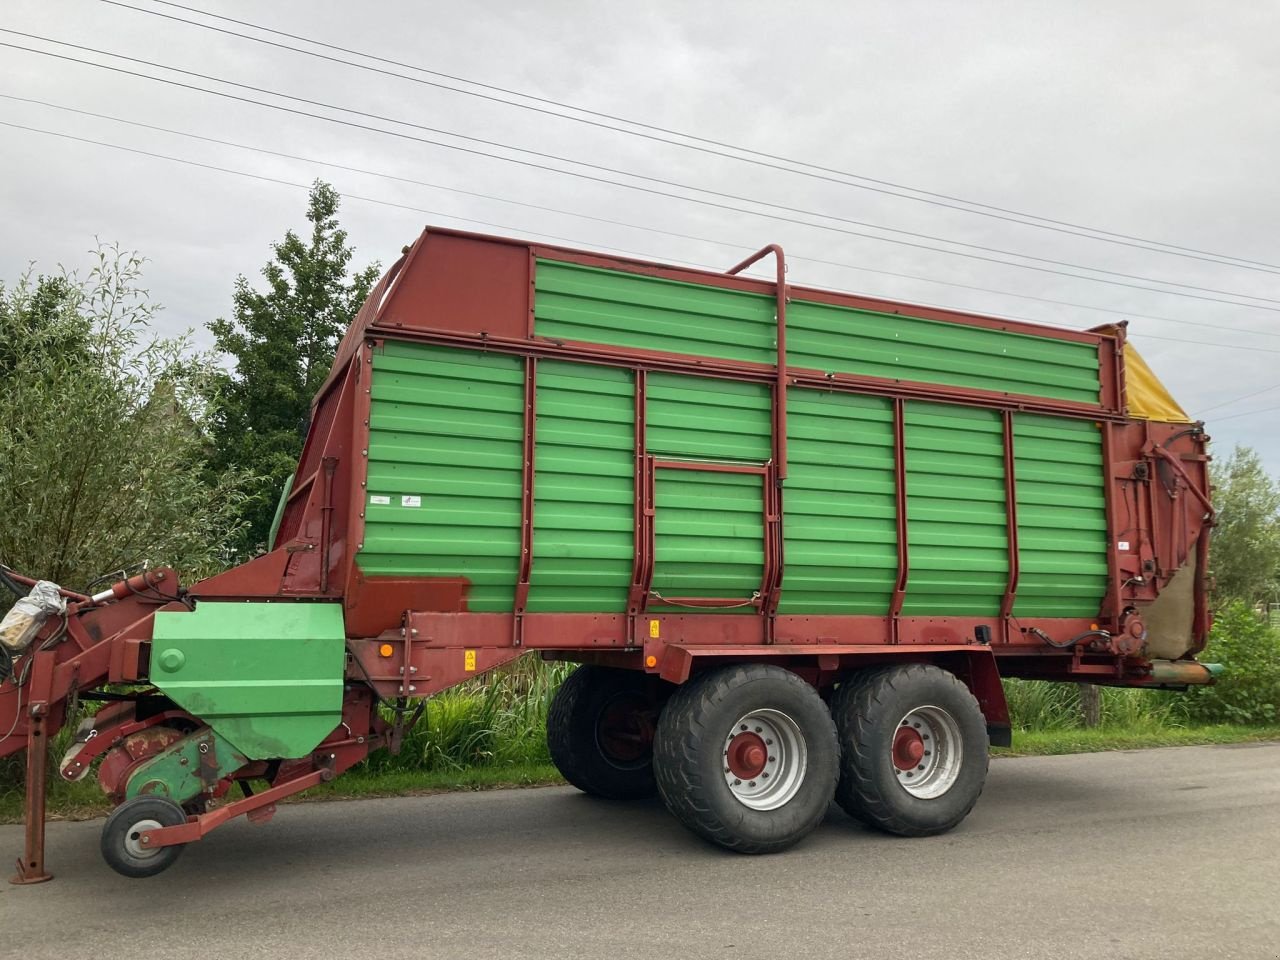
[(600, 732), (913, 749), (746, 757), (121, 847)]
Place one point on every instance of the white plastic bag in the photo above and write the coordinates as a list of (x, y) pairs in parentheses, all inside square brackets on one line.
[(21, 624)]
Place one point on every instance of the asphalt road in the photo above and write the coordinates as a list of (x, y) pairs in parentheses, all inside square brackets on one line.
[(1158, 853)]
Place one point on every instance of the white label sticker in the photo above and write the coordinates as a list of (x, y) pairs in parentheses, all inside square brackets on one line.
[(410, 501), (380, 498), (1123, 544)]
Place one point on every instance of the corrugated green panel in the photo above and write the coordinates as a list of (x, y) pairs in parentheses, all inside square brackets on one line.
[(709, 530), (956, 525), (702, 418), (584, 489), (446, 451), (1062, 517), (844, 340), (709, 526), (573, 302), (839, 504), (266, 676)]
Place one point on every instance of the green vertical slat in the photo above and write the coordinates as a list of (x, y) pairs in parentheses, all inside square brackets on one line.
[(1062, 517), (898, 347), (957, 532), (589, 304), (446, 426), (584, 489), (839, 504)]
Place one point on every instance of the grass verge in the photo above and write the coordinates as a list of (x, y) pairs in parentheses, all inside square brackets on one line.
[(1041, 743), (81, 801)]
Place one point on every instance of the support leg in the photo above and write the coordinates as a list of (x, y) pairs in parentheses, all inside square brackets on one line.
[(31, 866)]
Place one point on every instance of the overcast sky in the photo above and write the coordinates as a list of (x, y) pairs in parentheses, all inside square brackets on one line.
[(1155, 120)]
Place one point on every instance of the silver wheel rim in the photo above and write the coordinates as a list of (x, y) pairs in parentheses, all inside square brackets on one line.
[(765, 759), (926, 752), (133, 840)]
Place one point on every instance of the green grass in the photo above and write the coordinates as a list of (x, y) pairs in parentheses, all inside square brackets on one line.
[(1040, 743)]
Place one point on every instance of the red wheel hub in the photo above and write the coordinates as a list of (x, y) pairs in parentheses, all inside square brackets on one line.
[(747, 756), (625, 730), (908, 748)]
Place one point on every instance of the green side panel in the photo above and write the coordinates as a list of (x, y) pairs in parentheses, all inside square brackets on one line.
[(708, 525), (182, 772), (957, 534), (593, 305), (843, 340), (265, 676), (709, 535), (1062, 517), (573, 302), (446, 456), (701, 418), (584, 489), (840, 510)]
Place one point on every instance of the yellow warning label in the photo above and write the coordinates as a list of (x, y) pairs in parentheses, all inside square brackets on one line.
[(469, 660), (653, 629)]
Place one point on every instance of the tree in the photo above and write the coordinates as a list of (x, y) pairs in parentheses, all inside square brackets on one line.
[(103, 433), (1245, 552), (282, 340)]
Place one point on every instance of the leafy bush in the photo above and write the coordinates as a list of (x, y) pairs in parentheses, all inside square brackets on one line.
[(490, 721), (1043, 706), (1249, 689), (104, 433)]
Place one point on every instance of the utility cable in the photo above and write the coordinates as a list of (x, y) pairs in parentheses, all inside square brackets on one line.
[(637, 187), (534, 233), (620, 223), (524, 230), (759, 158)]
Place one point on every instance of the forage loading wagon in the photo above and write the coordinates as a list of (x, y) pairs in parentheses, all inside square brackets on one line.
[(794, 537)]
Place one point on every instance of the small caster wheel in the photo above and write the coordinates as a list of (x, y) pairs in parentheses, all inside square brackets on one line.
[(122, 836)]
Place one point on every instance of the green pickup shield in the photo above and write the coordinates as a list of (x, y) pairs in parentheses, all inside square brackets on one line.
[(267, 677)]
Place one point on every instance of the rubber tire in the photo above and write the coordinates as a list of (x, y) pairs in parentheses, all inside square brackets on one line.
[(688, 757), (114, 832), (572, 741), (867, 709)]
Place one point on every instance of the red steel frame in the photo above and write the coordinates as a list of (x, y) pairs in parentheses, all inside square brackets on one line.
[(467, 290)]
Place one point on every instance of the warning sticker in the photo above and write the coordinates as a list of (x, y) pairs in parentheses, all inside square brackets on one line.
[(380, 498), (410, 501), (469, 660), (653, 629)]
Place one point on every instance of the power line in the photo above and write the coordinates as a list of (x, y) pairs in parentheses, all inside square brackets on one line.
[(598, 219), (759, 158), (503, 226), (1247, 396), (1249, 413), (630, 186), (346, 196)]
